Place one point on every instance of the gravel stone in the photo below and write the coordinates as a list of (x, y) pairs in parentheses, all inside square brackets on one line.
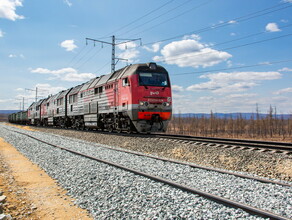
[(2, 199)]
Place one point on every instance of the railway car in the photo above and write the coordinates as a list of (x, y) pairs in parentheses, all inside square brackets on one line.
[(23, 117), (60, 109), (134, 98), (51, 108), (34, 113)]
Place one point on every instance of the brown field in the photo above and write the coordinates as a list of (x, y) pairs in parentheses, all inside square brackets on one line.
[(269, 128)]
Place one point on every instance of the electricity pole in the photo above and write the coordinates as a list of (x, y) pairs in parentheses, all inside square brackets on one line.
[(36, 93), (114, 44)]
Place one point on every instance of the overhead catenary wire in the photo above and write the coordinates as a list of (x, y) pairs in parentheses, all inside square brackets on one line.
[(233, 68), (90, 58), (238, 19), (233, 40), (76, 55), (138, 19), (101, 68), (140, 25), (81, 58), (172, 18), (229, 48), (245, 17)]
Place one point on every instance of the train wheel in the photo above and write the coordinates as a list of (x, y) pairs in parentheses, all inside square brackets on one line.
[(110, 129)]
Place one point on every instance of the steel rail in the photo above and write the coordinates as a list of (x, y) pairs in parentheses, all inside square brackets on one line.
[(219, 199), (238, 142)]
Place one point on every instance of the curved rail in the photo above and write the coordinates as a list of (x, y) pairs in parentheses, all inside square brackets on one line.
[(247, 208)]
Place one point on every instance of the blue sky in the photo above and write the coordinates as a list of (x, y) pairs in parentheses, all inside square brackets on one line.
[(206, 45)]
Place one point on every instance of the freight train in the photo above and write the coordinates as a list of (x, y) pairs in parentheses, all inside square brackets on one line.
[(136, 98)]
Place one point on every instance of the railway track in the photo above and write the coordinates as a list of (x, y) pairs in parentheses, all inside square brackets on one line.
[(240, 144), (190, 189), (261, 146)]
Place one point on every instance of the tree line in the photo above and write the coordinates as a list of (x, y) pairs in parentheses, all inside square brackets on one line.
[(271, 126)]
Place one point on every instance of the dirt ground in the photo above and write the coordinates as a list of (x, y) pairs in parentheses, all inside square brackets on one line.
[(31, 193)]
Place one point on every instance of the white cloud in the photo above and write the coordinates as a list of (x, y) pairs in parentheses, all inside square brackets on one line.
[(128, 45), (5, 100), (190, 52), (281, 91), (68, 3), (232, 22), (78, 77), (229, 63), (65, 74), (16, 56), (232, 34), (69, 45), (1, 33), (19, 89), (130, 53), (192, 36), (241, 95), (284, 21), (176, 88), (272, 27), (8, 8), (154, 48), (12, 56), (285, 69), (233, 82)]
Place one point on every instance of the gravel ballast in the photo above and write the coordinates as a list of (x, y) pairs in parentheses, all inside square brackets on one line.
[(277, 166), (95, 184)]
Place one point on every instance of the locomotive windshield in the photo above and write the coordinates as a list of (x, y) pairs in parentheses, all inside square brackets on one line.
[(153, 79)]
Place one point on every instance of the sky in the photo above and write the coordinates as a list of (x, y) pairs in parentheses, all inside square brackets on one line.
[(222, 56)]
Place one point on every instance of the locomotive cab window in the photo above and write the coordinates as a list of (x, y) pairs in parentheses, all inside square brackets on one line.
[(126, 82), (153, 79), (98, 90)]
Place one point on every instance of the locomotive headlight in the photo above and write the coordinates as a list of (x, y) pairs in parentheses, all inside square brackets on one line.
[(143, 103), (166, 104)]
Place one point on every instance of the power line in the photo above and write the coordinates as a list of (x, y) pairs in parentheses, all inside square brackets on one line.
[(77, 54), (88, 51), (138, 19), (89, 58), (102, 67), (181, 14), (157, 17), (229, 48), (238, 19), (237, 39), (232, 68)]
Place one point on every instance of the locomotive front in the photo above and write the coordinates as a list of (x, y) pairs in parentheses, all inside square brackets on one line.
[(151, 96)]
